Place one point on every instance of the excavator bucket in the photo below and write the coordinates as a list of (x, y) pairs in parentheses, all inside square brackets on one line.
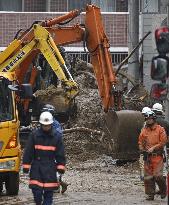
[(124, 128)]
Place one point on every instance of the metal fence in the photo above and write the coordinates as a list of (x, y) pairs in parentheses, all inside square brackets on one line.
[(116, 57)]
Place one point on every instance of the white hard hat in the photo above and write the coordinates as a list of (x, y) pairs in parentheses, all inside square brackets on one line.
[(46, 118), (145, 110), (150, 114), (157, 107)]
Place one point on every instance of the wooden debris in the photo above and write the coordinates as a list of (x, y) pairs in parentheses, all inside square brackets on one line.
[(83, 129)]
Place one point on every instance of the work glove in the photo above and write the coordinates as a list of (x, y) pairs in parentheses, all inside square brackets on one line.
[(59, 176), (25, 170)]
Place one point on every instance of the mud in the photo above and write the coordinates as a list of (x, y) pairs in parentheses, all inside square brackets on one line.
[(94, 182)]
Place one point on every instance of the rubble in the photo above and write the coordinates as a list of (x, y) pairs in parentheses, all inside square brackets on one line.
[(98, 181), (83, 145)]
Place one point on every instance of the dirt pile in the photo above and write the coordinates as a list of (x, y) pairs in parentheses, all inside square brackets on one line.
[(53, 95), (83, 145), (86, 145)]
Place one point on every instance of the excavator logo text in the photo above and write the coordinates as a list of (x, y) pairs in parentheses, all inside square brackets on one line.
[(14, 61)]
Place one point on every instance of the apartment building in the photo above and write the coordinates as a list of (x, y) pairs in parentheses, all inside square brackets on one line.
[(20, 14)]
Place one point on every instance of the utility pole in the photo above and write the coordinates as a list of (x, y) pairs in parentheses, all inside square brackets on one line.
[(167, 100), (133, 38)]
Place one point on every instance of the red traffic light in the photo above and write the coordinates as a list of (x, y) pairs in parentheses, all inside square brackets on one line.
[(162, 39), (159, 31), (159, 68), (159, 91)]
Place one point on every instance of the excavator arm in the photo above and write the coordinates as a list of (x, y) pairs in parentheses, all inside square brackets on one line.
[(93, 35), (43, 42), (98, 47)]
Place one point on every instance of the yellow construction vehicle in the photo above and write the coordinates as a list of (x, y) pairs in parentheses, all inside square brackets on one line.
[(13, 94), (10, 149)]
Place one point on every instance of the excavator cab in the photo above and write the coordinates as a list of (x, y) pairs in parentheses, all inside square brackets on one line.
[(6, 104), (10, 148)]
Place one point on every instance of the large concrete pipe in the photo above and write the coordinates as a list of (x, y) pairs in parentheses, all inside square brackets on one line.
[(124, 128)]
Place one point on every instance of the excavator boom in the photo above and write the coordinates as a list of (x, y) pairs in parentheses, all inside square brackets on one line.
[(98, 46)]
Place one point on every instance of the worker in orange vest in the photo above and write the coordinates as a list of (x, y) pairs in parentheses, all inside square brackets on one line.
[(151, 142)]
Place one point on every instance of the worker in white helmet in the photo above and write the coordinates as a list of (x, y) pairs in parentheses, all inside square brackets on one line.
[(157, 107), (145, 110), (152, 140), (44, 156), (158, 110)]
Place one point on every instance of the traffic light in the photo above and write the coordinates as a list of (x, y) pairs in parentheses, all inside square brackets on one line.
[(159, 68), (159, 91), (160, 65), (162, 39)]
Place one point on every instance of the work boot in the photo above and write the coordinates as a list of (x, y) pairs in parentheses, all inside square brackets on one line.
[(149, 185), (162, 186), (150, 197), (64, 186)]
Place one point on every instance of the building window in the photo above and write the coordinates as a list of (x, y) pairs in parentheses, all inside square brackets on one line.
[(121, 5), (150, 6), (105, 5), (10, 5), (77, 4)]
